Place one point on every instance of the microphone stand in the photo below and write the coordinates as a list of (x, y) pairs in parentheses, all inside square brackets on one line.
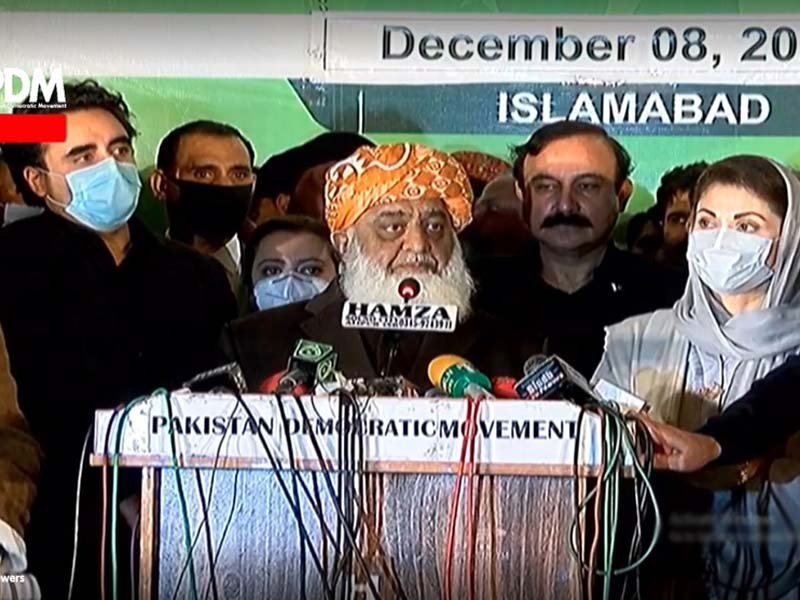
[(394, 343), (409, 288)]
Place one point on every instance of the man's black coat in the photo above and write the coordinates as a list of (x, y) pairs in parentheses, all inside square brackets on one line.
[(262, 343)]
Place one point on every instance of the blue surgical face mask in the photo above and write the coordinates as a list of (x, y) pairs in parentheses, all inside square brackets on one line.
[(729, 261), (103, 196), (286, 289)]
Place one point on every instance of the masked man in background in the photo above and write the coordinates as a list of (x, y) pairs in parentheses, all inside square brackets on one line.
[(204, 175)]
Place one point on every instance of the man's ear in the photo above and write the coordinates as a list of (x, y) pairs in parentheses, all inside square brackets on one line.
[(282, 202), (158, 184), (518, 191), (340, 241), (526, 206), (624, 194), (36, 180)]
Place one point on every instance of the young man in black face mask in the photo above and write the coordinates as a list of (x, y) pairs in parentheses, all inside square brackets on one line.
[(204, 174)]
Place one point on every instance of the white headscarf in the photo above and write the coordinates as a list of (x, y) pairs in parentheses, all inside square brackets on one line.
[(759, 339)]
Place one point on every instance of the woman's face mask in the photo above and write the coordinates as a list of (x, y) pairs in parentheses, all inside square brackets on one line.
[(286, 288), (734, 239), (729, 261)]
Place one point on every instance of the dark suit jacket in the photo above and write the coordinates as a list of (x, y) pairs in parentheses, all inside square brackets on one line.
[(764, 417), (83, 334), (263, 342)]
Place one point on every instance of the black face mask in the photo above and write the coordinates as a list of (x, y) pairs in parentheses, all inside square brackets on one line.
[(214, 212)]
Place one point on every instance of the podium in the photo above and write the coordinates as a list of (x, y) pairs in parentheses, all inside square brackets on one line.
[(407, 452)]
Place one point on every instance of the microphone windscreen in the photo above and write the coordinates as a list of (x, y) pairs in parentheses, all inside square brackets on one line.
[(409, 288), (439, 365), (533, 362), (504, 387), (271, 383)]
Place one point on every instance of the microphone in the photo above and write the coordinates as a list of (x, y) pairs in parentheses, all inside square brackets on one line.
[(458, 378), (228, 376), (409, 289), (504, 387), (396, 387), (533, 361), (277, 383), (553, 378), (310, 363)]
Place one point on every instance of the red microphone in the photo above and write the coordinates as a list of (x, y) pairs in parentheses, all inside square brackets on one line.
[(503, 387), (274, 381), (409, 288)]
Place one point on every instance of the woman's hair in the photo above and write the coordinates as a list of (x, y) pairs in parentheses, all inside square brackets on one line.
[(295, 223), (754, 173)]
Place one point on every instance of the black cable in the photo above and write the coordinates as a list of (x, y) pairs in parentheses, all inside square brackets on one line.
[(209, 541), (287, 494), (314, 500), (225, 529), (340, 456), (199, 531), (326, 477), (181, 494), (295, 476)]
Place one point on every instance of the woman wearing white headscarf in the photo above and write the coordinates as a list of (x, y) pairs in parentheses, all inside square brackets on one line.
[(738, 319)]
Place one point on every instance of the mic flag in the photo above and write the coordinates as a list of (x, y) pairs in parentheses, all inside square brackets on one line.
[(316, 361), (457, 378), (438, 318), (409, 288), (555, 378)]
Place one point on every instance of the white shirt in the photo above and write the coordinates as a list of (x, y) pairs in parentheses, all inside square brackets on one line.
[(230, 257)]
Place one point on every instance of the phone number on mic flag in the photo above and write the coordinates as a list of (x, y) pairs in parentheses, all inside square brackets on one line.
[(405, 317)]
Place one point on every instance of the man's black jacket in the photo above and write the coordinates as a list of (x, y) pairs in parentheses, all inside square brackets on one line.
[(262, 343)]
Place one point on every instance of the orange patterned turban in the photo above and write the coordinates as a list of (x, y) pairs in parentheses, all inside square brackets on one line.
[(393, 172)]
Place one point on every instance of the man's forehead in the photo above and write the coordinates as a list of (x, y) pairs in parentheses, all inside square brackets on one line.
[(574, 155), (409, 207), (681, 201), (204, 149), (85, 127)]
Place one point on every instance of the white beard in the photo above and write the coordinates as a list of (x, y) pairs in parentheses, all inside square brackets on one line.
[(362, 279)]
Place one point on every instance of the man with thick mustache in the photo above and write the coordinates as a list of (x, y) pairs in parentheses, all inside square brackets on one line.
[(573, 181), (394, 211)]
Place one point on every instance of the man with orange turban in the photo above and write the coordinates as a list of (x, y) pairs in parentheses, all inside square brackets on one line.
[(394, 212)]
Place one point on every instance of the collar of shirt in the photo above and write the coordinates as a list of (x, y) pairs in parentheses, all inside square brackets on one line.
[(229, 256)]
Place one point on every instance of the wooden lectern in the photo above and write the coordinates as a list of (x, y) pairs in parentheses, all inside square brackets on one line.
[(409, 452)]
